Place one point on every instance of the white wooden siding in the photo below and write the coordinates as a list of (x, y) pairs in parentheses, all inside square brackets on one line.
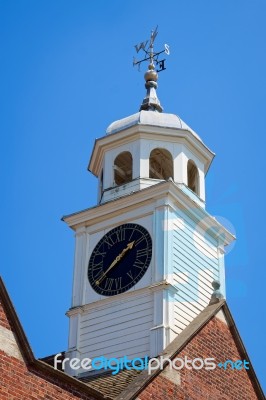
[(195, 266), (117, 330)]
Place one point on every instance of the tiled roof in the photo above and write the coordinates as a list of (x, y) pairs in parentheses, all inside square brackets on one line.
[(111, 385)]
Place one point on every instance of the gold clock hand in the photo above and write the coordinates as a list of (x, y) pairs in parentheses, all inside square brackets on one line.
[(118, 258), (130, 245)]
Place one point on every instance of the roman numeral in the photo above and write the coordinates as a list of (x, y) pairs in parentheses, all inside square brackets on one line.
[(129, 273), (138, 264), (118, 283), (108, 283), (132, 233), (99, 253), (97, 264), (109, 242), (120, 234), (142, 253)]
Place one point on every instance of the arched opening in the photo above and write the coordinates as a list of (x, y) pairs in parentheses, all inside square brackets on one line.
[(193, 177), (123, 168), (161, 164)]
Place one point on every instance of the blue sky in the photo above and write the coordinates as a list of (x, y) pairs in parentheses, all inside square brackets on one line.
[(66, 74)]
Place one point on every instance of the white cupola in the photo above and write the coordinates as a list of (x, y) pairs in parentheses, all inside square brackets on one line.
[(147, 148)]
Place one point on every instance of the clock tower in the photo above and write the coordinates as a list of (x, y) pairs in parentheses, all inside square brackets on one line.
[(148, 255)]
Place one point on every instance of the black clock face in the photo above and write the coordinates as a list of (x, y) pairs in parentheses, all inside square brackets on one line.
[(120, 259)]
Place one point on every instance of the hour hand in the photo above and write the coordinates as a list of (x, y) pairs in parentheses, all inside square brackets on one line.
[(116, 260)]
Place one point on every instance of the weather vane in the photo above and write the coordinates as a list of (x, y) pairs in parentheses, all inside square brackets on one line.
[(153, 57)]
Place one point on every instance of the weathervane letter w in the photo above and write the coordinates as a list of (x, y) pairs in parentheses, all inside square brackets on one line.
[(142, 45)]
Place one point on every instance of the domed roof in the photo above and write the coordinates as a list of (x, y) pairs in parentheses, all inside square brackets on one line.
[(151, 118)]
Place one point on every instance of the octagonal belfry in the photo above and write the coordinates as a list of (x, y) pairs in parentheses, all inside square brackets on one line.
[(145, 149)]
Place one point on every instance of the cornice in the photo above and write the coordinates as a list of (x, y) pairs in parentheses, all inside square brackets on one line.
[(127, 296), (168, 190), (137, 132)]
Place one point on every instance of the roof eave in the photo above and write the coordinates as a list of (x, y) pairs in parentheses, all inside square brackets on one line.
[(104, 142)]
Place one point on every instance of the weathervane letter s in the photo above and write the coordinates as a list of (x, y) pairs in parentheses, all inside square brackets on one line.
[(167, 49)]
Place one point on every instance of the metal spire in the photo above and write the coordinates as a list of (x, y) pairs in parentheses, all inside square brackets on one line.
[(151, 101)]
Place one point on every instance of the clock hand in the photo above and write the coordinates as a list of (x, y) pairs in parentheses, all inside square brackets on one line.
[(116, 260)]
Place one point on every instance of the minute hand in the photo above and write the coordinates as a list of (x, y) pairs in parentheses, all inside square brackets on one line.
[(116, 260)]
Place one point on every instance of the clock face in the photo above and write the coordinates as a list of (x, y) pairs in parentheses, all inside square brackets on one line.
[(120, 259)]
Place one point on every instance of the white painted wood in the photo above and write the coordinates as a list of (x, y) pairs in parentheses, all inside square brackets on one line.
[(186, 248), (73, 332), (134, 317), (185, 317), (184, 273), (189, 311), (183, 220), (80, 255), (144, 324), (197, 242), (140, 149), (111, 312), (136, 347), (128, 338), (176, 139), (121, 328), (88, 337), (197, 239), (221, 278), (131, 350)]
